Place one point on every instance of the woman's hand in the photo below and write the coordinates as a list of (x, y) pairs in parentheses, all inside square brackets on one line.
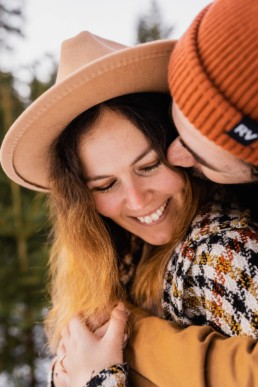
[(87, 353)]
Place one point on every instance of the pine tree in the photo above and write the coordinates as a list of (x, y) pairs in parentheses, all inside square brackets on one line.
[(11, 21), (23, 261), (151, 27), (23, 246)]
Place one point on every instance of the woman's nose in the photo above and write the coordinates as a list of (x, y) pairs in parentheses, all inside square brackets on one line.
[(178, 155), (136, 196)]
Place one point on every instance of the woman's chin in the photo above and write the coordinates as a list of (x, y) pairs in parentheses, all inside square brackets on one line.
[(158, 240)]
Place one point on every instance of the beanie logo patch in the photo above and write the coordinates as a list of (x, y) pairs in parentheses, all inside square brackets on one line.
[(245, 132)]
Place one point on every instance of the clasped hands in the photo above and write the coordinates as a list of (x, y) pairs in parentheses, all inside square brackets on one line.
[(82, 354)]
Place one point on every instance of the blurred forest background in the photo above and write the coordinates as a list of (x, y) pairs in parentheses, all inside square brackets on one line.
[(24, 227)]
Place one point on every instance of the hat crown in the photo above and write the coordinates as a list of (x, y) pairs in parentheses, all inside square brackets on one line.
[(84, 48)]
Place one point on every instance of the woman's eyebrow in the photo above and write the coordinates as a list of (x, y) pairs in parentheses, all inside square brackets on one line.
[(138, 158), (94, 178), (142, 155), (197, 157)]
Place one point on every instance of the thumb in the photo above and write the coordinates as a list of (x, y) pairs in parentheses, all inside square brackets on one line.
[(116, 327), (100, 332)]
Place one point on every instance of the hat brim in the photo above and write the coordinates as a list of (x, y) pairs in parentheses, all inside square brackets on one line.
[(25, 149)]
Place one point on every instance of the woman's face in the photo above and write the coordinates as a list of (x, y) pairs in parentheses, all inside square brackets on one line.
[(128, 182)]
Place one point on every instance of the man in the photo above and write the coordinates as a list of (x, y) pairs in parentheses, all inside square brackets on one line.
[(213, 79), (193, 149)]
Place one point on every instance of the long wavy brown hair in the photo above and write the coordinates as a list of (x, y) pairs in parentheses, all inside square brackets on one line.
[(84, 275)]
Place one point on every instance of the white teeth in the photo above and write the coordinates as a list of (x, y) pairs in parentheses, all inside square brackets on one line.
[(148, 219), (153, 217)]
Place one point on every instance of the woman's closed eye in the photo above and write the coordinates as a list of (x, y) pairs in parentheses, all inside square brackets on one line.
[(143, 171), (150, 168), (105, 188)]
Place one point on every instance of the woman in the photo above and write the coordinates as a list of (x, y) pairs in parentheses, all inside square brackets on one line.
[(114, 154), (110, 161)]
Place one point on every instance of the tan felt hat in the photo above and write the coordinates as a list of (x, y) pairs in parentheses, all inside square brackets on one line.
[(213, 76), (91, 70)]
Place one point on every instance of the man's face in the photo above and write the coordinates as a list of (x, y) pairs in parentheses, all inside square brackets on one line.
[(192, 149)]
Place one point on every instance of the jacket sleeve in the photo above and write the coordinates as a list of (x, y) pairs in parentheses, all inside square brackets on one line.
[(163, 354), (216, 283), (115, 376)]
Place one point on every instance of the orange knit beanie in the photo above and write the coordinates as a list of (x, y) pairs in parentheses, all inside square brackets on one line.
[(213, 75)]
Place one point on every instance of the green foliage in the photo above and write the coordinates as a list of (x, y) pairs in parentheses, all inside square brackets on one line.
[(11, 20), (23, 260), (150, 26)]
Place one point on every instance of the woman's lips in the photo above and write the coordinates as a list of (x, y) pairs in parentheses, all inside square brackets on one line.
[(153, 217)]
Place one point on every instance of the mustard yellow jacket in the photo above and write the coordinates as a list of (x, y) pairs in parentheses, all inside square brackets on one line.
[(162, 354)]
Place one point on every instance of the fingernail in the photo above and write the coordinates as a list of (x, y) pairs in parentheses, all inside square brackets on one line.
[(121, 307)]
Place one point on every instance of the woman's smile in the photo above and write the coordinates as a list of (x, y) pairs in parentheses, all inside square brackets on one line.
[(153, 217)]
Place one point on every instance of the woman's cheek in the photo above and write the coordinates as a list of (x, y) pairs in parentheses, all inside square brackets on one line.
[(105, 205)]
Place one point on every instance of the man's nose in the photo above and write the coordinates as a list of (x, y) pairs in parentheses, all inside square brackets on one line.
[(179, 156)]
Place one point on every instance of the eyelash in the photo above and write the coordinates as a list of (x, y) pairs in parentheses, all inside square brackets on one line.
[(151, 167), (104, 189), (145, 170)]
